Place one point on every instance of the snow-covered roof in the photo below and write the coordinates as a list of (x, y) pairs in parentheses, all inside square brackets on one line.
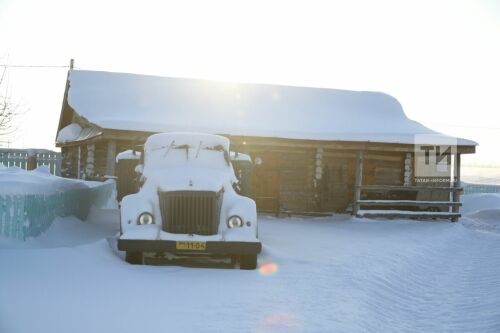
[(128, 155), (75, 133), (69, 133), (123, 101), (237, 156)]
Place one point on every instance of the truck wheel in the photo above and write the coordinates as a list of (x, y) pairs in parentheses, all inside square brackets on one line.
[(134, 258), (248, 261)]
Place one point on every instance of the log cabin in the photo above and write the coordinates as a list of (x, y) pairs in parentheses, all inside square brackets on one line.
[(315, 150)]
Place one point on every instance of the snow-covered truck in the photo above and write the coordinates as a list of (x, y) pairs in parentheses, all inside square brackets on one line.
[(187, 204)]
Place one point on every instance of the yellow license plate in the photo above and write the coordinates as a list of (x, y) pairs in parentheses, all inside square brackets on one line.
[(191, 245)]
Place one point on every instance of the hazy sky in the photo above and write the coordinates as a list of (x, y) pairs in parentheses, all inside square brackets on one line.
[(440, 59)]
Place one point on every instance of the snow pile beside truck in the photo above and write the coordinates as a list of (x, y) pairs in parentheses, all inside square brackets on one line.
[(31, 200), (15, 180)]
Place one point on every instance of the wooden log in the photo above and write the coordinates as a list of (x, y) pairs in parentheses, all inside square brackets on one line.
[(408, 214), (408, 188), (415, 203)]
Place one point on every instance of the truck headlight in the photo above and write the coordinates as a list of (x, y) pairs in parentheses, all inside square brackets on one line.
[(146, 218), (234, 221)]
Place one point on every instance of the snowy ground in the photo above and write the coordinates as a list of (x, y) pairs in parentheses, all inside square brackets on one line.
[(316, 275)]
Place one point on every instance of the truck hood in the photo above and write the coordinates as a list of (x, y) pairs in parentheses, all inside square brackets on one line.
[(188, 179)]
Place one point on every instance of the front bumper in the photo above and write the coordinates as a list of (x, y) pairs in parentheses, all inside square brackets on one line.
[(212, 247)]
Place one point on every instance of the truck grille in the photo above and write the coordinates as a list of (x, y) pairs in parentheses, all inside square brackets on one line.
[(190, 212)]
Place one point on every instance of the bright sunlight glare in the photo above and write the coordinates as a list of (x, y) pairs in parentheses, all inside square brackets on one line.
[(438, 58)]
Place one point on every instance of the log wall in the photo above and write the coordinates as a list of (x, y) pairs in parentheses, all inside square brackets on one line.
[(288, 178)]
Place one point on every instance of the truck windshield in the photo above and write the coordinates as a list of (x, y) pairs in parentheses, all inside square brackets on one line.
[(179, 155)]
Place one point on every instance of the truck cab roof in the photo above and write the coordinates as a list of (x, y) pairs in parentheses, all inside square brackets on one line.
[(191, 139)]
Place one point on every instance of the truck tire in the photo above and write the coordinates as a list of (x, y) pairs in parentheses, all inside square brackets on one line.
[(134, 258), (248, 261)]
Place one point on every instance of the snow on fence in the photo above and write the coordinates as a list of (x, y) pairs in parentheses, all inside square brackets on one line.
[(480, 188), (20, 157), (23, 216)]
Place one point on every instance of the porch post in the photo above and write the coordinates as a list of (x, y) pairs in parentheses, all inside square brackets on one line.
[(357, 182), (78, 165), (456, 184), (110, 158)]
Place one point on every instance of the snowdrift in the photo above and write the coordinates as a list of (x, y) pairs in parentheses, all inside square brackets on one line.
[(477, 202), (481, 212), (31, 200)]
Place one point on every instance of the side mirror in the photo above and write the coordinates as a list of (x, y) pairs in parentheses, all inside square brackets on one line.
[(139, 169)]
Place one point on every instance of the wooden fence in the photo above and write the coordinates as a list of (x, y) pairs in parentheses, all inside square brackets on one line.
[(481, 188), (20, 158)]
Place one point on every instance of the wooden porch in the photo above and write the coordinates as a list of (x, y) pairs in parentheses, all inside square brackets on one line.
[(447, 207)]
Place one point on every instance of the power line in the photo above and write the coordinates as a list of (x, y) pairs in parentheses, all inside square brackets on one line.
[(34, 66)]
